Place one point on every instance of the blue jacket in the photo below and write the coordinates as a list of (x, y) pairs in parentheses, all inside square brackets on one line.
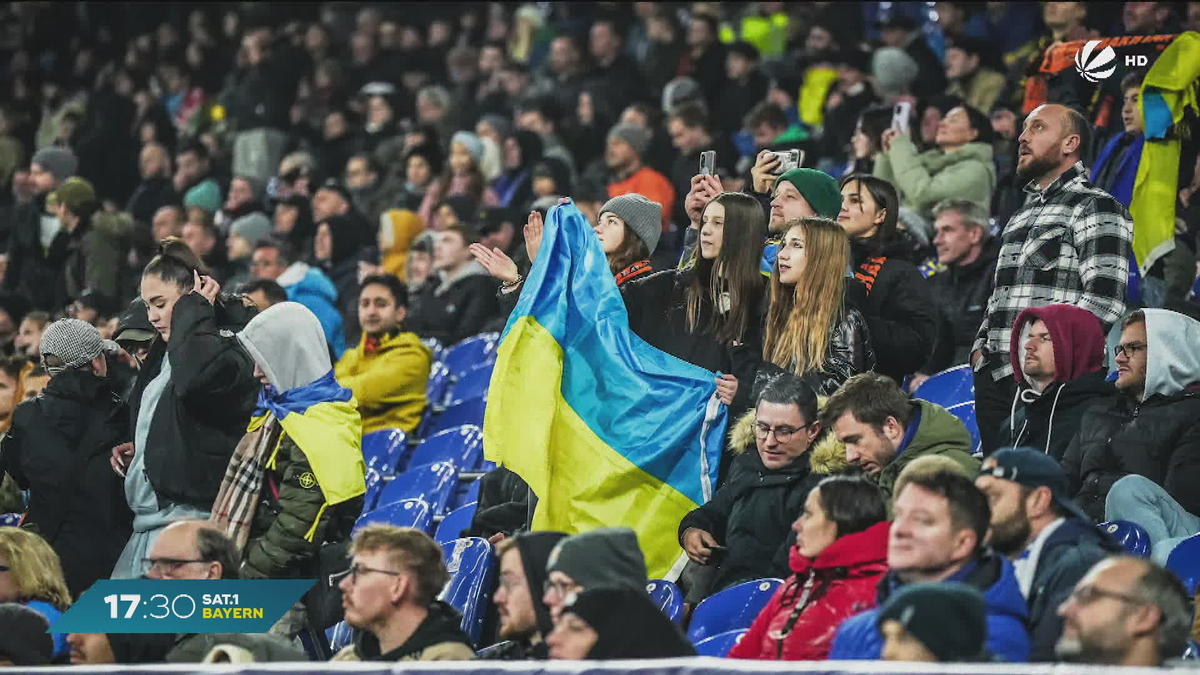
[(316, 292), (1008, 640)]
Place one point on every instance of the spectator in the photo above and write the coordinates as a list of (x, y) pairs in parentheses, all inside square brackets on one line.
[(837, 562), (1126, 612), (845, 104), (977, 85), (1058, 363), (26, 640), (333, 199), (1050, 541), (30, 574), (398, 234), (771, 129), (1135, 455), (522, 150), (276, 261), (627, 146), (604, 557), (932, 623), (390, 596), (811, 329), (901, 32), (899, 305), (58, 449), (742, 531), (463, 176), (293, 221), (363, 180), (244, 234), (13, 308), (524, 619), (89, 246), (884, 431), (167, 221), (615, 623), (463, 300), (192, 549), (936, 536), (613, 68), (191, 403), (156, 190), (337, 251), (896, 74), (691, 134), (193, 177), (867, 142), (1082, 260), (423, 186), (202, 239), (418, 267), (244, 199), (389, 369), (263, 293), (33, 229), (745, 86), (541, 115), (34, 383), (29, 334)]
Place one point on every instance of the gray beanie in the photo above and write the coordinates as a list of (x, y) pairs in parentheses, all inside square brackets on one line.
[(469, 141), (253, 227), (642, 216), (894, 70), (637, 137), (607, 556), (56, 161)]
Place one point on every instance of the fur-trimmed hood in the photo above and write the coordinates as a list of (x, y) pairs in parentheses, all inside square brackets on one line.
[(826, 457)]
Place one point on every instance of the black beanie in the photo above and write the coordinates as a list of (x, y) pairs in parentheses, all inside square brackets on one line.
[(24, 639), (628, 624), (606, 556), (535, 548), (950, 619)]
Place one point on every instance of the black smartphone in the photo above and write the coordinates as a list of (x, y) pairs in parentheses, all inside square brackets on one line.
[(717, 554)]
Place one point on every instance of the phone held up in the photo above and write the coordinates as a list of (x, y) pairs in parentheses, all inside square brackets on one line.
[(900, 116), (788, 160), (708, 163)]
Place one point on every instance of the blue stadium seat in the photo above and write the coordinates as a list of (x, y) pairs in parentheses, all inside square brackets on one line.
[(1184, 561), (466, 493), (667, 597), (1192, 651), (435, 389), (471, 352), (374, 481), (383, 450), (432, 483), (461, 446), (472, 384), (455, 522), (1129, 534), (731, 609), (720, 644), (11, 519), (435, 347), (340, 636), (965, 412), (459, 413), (408, 513), (472, 568), (948, 388)]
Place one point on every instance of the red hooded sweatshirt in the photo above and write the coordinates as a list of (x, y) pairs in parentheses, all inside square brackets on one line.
[(1077, 336)]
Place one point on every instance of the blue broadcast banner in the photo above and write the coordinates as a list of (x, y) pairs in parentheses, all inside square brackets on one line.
[(182, 606)]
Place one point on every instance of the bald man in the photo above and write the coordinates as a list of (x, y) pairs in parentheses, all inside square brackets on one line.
[(155, 190), (1070, 243), (191, 549)]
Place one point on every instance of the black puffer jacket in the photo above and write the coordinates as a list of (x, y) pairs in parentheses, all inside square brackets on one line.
[(454, 311), (206, 406), (58, 448), (900, 308), (850, 352), (962, 296)]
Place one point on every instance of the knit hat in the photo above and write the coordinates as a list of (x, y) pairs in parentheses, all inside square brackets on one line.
[(253, 227), (819, 189), (24, 640), (58, 162), (637, 137), (535, 549), (606, 556), (76, 194), (642, 216), (678, 91), (469, 141), (76, 343), (205, 195), (894, 70), (628, 625), (950, 619)]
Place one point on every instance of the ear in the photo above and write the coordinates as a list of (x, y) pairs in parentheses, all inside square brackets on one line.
[(976, 232), (814, 430), (893, 429), (881, 216), (964, 544), (401, 313), (1070, 144), (1039, 502), (400, 589), (1144, 620)]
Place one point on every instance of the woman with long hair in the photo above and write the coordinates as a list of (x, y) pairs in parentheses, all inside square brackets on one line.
[(899, 305), (811, 330), (30, 574)]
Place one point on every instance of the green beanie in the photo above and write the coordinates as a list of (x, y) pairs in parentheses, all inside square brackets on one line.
[(819, 189), (206, 195)]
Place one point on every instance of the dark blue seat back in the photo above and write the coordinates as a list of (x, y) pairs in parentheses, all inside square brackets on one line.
[(732, 609)]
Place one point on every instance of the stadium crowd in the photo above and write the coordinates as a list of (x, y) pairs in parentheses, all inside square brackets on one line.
[(239, 236)]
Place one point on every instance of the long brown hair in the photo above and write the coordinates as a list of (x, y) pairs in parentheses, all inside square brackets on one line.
[(631, 250), (801, 319), (735, 271)]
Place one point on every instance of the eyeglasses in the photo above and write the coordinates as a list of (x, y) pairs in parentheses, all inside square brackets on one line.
[(1086, 595), (166, 566), (508, 583), (357, 569), (782, 434), (561, 588), (1128, 348)]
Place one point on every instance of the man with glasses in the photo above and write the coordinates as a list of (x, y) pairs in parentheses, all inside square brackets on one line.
[(1126, 612), (1137, 454), (191, 549), (524, 618), (390, 596), (744, 532), (605, 556)]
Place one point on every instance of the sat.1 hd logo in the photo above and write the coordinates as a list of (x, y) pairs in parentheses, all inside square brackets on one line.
[(1094, 65)]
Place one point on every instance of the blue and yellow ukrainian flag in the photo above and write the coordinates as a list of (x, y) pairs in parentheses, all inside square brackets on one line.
[(604, 428)]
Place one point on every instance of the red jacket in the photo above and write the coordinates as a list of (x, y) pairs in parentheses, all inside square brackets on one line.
[(843, 581)]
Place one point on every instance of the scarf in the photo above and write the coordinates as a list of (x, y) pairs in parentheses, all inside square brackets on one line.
[(237, 500)]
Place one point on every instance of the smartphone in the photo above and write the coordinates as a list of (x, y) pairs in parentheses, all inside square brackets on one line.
[(900, 115), (717, 553), (788, 160), (708, 163)]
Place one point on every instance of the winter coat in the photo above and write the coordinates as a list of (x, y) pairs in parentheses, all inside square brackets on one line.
[(535, 549), (310, 287), (858, 639), (900, 308), (752, 512), (206, 405), (849, 353), (504, 505), (962, 294), (1157, 437), (29, 272), (980, 91), (932, 176), (840, 582), (455, 307), (93, 255), (938, 432), (388, 377), (58, 448), (438, 638), (151, 195)]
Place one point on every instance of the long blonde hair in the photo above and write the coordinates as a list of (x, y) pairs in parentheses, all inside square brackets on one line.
[(34, 567), (801, 319)]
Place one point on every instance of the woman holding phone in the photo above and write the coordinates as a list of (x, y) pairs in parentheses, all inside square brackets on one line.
[(191, 403)]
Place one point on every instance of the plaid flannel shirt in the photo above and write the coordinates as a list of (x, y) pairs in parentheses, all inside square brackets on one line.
[(1069, 244)]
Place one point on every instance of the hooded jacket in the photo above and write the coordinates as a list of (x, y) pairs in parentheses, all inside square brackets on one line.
[(310, 287), (457, 306), (1158, 436), (992, 574), (388, 376), (839, 583), (938, 432), (927, 178), (438, 638), (534, 549), (398, 229), (1049, 419), (900, 309)]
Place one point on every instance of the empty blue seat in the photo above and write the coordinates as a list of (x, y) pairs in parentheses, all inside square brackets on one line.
[(472, 384), (384, 450), (461, 446), (1184, 561), (374, 481), (948, 388), (455, 522), (459, 413), (667, 597), (432, 483), (471, 352), (11, 519), (732, 609), (719, 645), (407, 513), (1129, 534), (965, 412), (472, 568), (340, 636), (435, 389), (465, 493)]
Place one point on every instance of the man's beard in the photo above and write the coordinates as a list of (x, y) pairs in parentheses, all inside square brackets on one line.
[(1009, 536), (1039, 165)]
